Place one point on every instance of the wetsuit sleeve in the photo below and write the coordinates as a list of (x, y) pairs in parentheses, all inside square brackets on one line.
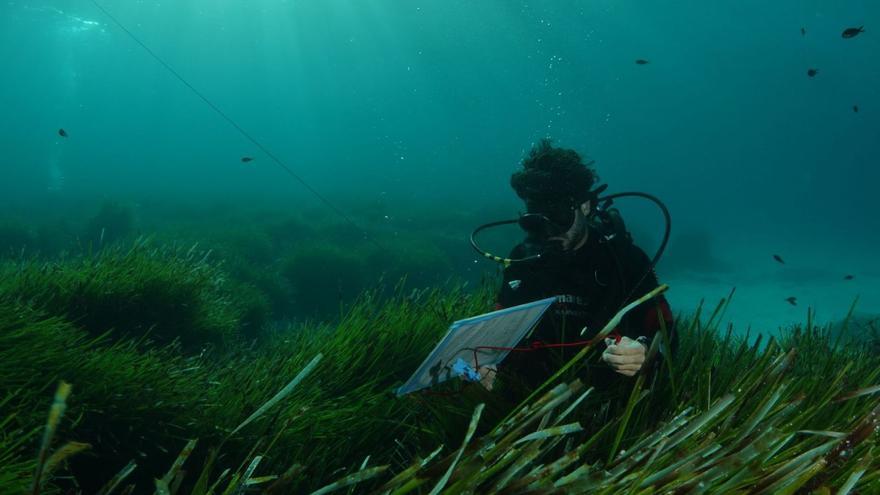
[(645, 319)]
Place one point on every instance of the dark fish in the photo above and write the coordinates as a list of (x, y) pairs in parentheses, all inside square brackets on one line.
[(803, 31), (778, 258), (246, 159), (852, 32), (62, 133), (812, 72), (642, 61), (856, 108), (791, 300), (848, 277)]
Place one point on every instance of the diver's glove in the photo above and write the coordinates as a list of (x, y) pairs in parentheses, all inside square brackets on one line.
[(625, 357)]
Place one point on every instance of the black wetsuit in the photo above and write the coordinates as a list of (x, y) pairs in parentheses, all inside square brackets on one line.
[(591, 285)]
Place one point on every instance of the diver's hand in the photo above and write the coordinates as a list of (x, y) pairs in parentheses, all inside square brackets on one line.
[(576, 235), (627, 357), (487, 376)]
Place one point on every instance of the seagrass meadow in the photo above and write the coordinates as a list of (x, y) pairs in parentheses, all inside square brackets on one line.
[(309, 408), (233, 231)]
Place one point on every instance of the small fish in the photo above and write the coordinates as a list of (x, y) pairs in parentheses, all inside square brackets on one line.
[(848, 277), (62, 133), (812, 72), (778, 258), (803, 31), (791, 300), (852, 32), (642, 61), (856, 108), (246, 159)]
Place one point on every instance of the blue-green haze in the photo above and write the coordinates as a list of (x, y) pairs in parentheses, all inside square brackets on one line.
[(432, 104)]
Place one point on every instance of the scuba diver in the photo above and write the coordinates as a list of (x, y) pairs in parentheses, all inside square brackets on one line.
[(576, 249)]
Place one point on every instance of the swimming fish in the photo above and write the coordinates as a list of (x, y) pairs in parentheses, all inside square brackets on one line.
[(778, 258), (803, 31), (246, 159), (856, 108), (812, 72), (62, 133), (791, 300), (642, 61), (848, 277), (852, 32)]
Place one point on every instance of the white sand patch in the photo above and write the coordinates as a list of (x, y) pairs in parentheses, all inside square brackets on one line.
[(813, 273)]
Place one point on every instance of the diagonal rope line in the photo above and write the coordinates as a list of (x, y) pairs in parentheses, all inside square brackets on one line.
[(235, 125)]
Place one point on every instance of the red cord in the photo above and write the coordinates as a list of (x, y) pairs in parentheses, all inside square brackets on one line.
[(534, 346), (537, 344)]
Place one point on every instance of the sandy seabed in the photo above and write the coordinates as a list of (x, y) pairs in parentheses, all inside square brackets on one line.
[(813, 273)]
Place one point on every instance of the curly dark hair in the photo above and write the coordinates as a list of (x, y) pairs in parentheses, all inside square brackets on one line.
[(553, 175)]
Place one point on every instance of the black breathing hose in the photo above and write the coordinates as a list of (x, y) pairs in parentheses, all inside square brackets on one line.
[(602, 203), (666, 216)]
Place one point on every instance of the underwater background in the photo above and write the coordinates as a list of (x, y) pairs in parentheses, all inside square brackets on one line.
[(200, 198), (428, 107)]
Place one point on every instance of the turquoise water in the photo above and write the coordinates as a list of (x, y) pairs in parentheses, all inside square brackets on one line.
[(432, 104)]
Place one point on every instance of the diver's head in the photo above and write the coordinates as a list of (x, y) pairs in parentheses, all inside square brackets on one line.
[(554, 183)]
